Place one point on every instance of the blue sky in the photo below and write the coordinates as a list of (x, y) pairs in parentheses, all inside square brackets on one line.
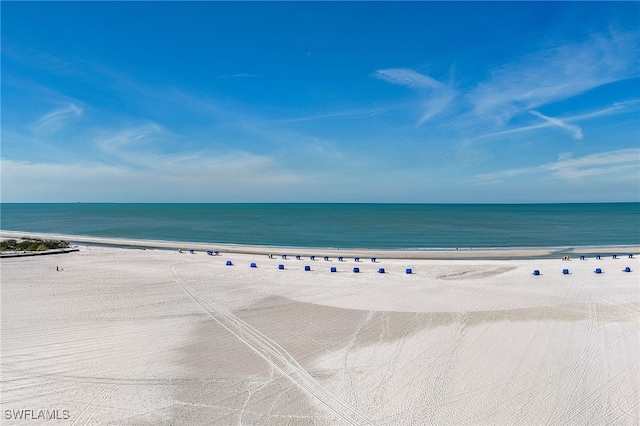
[(428, 102)]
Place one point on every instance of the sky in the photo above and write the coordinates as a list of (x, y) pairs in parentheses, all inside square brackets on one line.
[(391, 102)]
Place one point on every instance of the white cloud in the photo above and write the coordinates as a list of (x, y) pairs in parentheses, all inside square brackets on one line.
[(573, 129), (407, 77), (616, 108), (55, 120), (436, 95), (618, 166), (556, 73), (237, 177)]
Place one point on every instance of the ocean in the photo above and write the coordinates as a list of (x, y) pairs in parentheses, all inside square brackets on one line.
[(380, 226)]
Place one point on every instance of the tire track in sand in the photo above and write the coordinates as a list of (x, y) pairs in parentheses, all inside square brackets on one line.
[(275, 355)]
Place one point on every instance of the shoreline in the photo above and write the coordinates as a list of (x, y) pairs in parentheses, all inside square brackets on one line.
[(498, 253)]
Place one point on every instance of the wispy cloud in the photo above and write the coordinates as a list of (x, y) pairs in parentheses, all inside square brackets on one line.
[(623, 164), (130, 146), (408, 77), (239, 75), (436, 95), (616, 108), (189, 178), (556, 73), (55, 120), (575, 130), (340, 114)]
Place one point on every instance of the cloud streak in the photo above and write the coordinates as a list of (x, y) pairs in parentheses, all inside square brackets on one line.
[(622, 165), (555, 74), (576, 131), (436, 96), (616, 108), (55, 120)]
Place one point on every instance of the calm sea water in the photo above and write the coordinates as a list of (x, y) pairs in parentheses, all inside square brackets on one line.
[(385, 226)]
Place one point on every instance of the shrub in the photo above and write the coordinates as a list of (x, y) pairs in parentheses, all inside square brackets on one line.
[(31, 244)]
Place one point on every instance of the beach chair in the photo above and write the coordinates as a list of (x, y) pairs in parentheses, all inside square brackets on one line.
[(281, 266), (333, 269), (253, 265), (340, 258), (312, 257), (408, 271), (229, 263), (565, 272), (627, 269), (356, 270), (307, 268), (373, 259), (326, 258), (598, 271), (297, 256), (381, 271), (356, 259), (536, 272)]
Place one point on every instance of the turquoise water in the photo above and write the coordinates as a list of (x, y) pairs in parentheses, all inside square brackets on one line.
[(384, 226)]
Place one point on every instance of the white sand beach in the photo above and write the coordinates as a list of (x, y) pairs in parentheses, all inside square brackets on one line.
[(132, 336)]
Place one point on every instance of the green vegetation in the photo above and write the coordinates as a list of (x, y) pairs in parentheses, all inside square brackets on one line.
[(31, 244)]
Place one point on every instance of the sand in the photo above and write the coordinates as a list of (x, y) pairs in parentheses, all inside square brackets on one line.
[(133, 336)]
